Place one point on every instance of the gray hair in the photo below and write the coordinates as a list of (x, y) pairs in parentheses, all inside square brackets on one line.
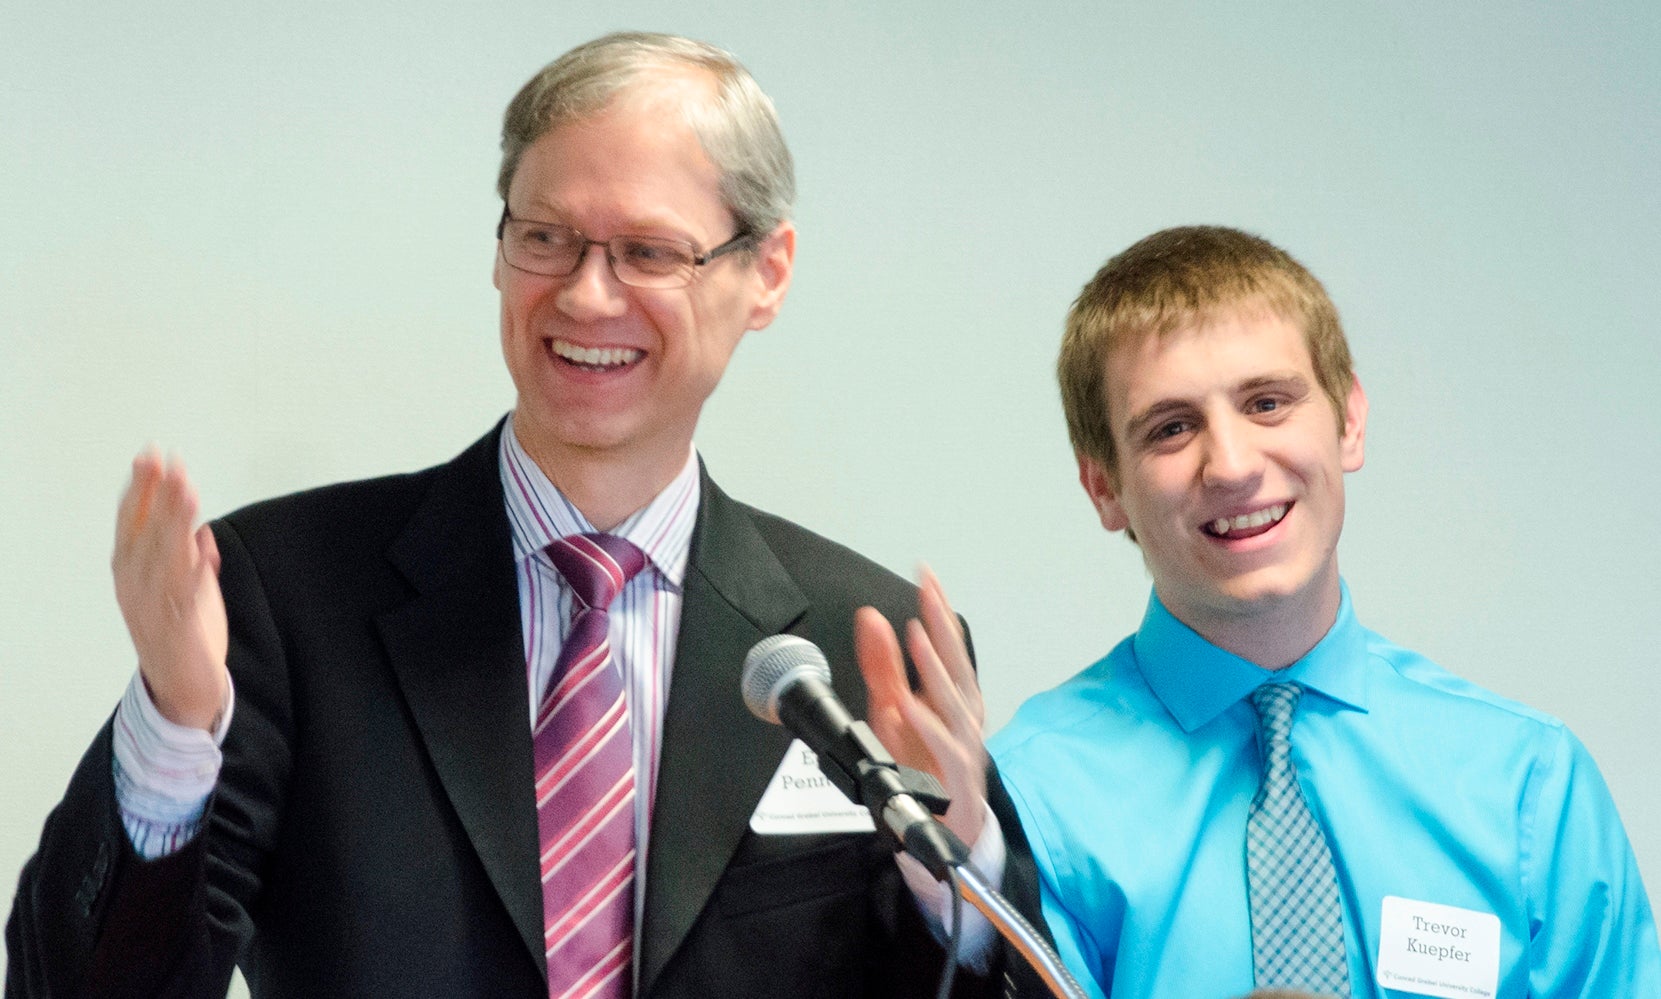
[(736, 126)]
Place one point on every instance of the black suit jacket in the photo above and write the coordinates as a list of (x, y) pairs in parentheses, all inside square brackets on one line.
[(374, 831)]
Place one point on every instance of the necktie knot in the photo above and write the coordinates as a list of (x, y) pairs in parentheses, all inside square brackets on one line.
[(596, 566), (1275, 704)]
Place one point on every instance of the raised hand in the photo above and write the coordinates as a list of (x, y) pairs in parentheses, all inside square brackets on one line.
[(939, 728), (166, 569)]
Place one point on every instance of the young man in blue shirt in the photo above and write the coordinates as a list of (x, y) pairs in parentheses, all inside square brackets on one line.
[(1449, 842)]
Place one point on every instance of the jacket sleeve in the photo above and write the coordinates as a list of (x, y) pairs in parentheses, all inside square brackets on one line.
[(91, 917)]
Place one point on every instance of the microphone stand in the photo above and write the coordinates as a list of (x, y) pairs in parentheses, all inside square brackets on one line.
[(1013, 928), (856, 762), (895, 796)]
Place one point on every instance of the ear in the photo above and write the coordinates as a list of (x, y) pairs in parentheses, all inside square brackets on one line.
[(496, 269), (1351, 443), (1099, 485), (774, 261)]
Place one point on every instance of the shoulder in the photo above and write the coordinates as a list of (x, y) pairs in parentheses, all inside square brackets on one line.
[(1105, 699), (332, 524), (1426, 685), (826, 571), (1517, 746), (338, 508)]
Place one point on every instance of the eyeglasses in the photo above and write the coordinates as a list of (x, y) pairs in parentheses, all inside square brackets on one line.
[(555, 250)]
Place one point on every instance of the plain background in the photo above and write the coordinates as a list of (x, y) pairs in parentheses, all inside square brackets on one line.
[(261, 235)]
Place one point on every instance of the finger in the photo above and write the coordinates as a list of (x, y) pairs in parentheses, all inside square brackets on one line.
[(945, 628), (208, 549), (878, 651), (961, 762), (175, 520), (953, 707), (888, 694), (930, 583), (931, 734), (945, 631), (960, 765), (941, 692), (136, 500)]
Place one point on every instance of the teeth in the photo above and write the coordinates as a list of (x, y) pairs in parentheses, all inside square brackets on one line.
[(1223, 525), (596, 357)]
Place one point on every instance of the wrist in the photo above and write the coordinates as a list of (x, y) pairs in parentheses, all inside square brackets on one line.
[(199, 711)]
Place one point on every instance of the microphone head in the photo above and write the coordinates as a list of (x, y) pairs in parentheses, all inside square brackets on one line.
[(773, 665)]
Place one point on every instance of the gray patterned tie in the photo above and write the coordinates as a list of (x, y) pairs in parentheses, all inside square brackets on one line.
[(1297, 919)]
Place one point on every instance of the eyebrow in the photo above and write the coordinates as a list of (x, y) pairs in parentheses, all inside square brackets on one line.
[(653, 225), (1290, 380)]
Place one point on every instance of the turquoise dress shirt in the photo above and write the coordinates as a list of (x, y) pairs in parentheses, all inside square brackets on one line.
[(1132, 781)]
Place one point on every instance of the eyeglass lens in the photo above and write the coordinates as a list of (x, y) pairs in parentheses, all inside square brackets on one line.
[(557, 251)]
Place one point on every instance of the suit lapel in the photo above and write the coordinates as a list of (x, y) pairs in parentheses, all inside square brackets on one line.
[(459, 659), (716, 757)]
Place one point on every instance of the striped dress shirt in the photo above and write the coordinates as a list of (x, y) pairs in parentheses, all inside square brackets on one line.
[(645, 618)]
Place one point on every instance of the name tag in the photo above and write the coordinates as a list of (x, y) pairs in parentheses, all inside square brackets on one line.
[(801, 799), (1438, 950)]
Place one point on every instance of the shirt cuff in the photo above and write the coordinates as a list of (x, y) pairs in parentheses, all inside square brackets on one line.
[(164, 772), (934, 898)]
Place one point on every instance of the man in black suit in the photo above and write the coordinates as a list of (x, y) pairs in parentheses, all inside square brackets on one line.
[(323, 771)]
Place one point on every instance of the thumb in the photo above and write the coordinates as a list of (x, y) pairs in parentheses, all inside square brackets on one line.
[(208, 548)]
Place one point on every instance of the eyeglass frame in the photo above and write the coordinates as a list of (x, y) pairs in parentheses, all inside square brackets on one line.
[(742, 236)]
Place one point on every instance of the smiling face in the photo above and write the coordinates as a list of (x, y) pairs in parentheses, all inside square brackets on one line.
[(609, 372), (1230, 474)]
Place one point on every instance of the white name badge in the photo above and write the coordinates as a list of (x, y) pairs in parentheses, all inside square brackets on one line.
[(1438, 950), (801, 799)]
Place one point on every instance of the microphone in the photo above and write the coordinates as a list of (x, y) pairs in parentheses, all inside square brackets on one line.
[(786, 681)]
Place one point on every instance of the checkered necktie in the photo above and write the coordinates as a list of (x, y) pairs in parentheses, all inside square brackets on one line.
[(1297, 920), (584, 753)]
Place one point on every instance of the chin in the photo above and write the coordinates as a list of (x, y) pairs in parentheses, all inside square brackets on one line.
[(1270, 588), (555, 431)]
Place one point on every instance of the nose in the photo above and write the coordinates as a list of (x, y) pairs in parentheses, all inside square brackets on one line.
[(1231, 456), (592, 291)]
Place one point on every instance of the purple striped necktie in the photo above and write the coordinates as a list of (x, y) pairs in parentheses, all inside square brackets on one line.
[(584, 752)]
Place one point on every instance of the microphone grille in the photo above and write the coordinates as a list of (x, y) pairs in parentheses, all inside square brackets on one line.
[(773, 664)]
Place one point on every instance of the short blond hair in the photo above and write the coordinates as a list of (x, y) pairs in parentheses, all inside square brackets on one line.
[(1173, 280)]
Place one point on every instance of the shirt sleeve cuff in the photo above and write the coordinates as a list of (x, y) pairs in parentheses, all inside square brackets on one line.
[(164, 772), (934, 898)]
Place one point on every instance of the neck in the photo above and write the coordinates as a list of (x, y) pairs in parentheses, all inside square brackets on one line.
[(606, 485), (1276, 634)]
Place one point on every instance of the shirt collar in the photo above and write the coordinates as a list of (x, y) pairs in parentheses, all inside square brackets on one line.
[(540, 514), (1197, 681)]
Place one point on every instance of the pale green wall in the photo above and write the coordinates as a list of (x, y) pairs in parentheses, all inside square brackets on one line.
[(263, 238)]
